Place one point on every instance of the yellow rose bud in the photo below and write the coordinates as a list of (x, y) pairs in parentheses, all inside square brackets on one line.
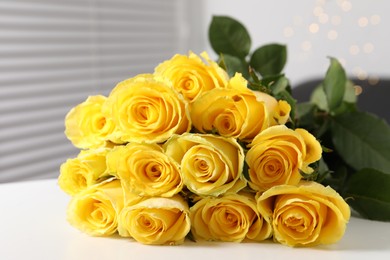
[(86, 126), (210, 164), (156, 221), (95, 209), (191, 76), (305, 215), (144, 169), (278, 154), (313, 147), (279, 111), (88, 168), (230, 218), (232, 112), (146, 110)]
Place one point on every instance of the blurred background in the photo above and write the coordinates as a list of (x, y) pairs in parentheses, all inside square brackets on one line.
[(55, 53)]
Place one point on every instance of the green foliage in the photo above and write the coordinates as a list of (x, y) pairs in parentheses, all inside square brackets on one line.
[(229, 36), (233, 64), (334, 84), (368, 192), (356, 161), (269, 59), (362, 140)]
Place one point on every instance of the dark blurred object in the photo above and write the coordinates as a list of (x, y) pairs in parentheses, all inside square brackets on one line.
[(374, 97)]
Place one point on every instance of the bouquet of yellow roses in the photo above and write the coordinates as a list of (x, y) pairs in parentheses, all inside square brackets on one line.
[(197, 150)]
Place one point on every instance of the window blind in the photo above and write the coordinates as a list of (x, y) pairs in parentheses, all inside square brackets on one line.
[(54, 53)]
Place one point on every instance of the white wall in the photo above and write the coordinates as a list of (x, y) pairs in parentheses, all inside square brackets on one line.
[(363, 48)]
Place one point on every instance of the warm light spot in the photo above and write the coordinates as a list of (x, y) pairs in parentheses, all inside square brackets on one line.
[(358, 90), (288, 32), (313, 28), (343, 62), (336, 20), (373, 80), (363, 21), (318, 11), (323, 18), (306, 46), (346, 6), (354, 50), (368, 47), (375, 19), (332, 35), (362, 75)]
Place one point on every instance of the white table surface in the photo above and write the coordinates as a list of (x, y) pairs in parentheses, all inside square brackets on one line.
[(33, 226)]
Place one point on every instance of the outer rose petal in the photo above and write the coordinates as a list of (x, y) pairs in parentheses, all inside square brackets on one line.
[(95, 209), (191, 76), (210, 164), (87, 169), (232, 112), (86, 126), (279, 111), (232, 218), (156, 221), (144, 169), (145, 109), (273, 163), (313, 147), (304, 215), (275, 157), (278, 154)]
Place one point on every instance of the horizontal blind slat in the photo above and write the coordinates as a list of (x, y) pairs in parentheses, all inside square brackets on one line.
[(18, 147), (54, 54)]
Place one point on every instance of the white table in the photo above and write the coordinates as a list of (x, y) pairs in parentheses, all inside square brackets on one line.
[(33, 226)]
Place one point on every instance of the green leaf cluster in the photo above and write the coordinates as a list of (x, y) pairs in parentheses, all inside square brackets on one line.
[(262, 68), (356, 144)]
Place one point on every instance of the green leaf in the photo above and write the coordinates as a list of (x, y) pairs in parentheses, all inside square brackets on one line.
[(368, 192), (254, 76), (350, 95), (349, 100), (345, 108), (305, 114), (270, 79), (337, 177), (269, 59), (362, 140), (229, 36), (233, 64), (318, 97), (334, 84), (280, 85)]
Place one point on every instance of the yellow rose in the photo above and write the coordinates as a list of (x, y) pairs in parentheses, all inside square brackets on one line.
[(156, 221), (95, 210), (232, 112), (230, 218), (146, 110), (305, 215), (279, 111), (86, 126), (145, 169), (88, 168), (210, 164), (278, 154), (191, 76)]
